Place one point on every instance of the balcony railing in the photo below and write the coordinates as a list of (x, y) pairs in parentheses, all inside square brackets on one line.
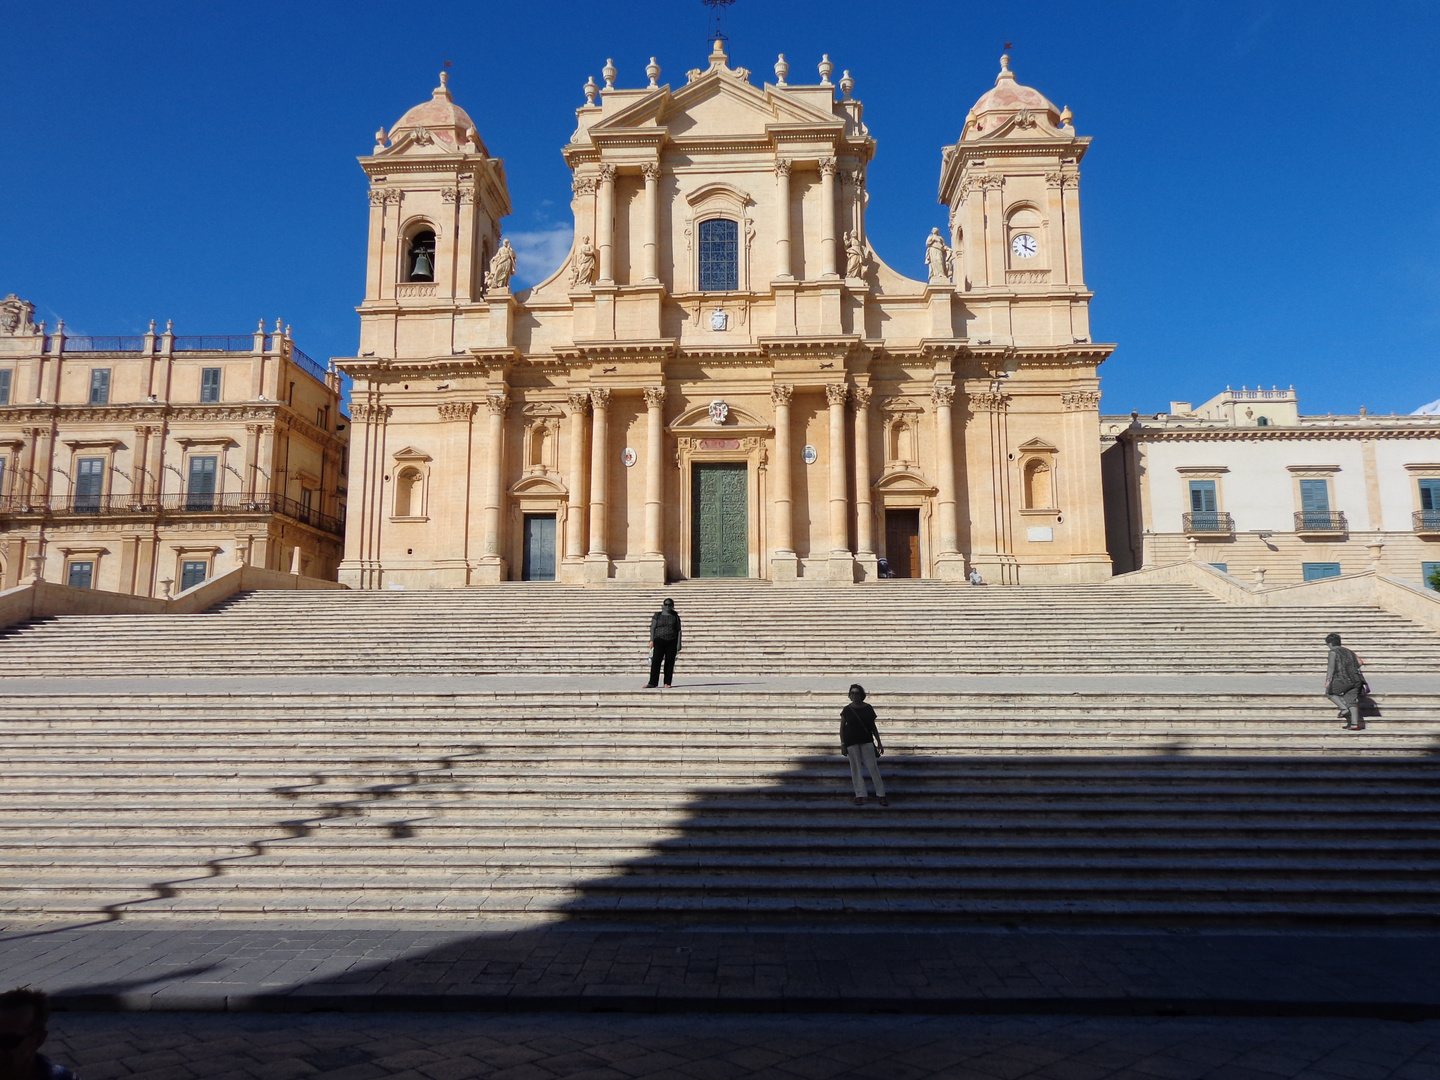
[(1426, 521), (90, 343), (1209, 523), (174, 503), (213, 343), (1317, 522), (305, 364)]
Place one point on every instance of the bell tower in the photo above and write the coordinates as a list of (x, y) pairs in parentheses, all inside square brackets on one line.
[(436, 200), (1011, 183)]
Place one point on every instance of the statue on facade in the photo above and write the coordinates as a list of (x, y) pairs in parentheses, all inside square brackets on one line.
[(854, 257), (937, 256), (502, 267), (584, 267)]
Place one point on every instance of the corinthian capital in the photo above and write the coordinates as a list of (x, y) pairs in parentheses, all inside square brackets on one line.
[(654, 397), (600, 397), (498, 404), (781, 393), (943, 394), (782, 167), (607, 174), (651, 169), (579, 403), (860, 397), (827, 166), (836, 393)]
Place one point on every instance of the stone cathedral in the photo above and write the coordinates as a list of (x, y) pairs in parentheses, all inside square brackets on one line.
[(724, 379)]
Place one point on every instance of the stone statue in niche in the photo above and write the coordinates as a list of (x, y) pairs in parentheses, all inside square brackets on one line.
[(937, 256), (718, 412), (502, 267), (584, 268), (854, 257), (719, 320)]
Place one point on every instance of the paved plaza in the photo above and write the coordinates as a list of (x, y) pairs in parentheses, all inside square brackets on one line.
[(178, 1046)]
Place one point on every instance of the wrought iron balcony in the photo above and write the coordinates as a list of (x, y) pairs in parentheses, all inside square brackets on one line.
[(1321, 523), (1209, 523), (227, 503), (1427, 522)]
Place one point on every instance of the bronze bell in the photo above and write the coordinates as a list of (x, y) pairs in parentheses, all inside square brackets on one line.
[(424, 269)]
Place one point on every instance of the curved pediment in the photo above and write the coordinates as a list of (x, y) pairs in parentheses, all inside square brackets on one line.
[(539, 484), (697, 421), (904, 480)]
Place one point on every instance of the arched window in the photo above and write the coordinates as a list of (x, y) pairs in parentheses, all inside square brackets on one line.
[(420, 257), (407, 492), (1037, 485), (719, 255)]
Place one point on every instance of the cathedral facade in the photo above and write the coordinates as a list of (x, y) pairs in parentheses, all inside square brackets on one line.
[(724, 379)]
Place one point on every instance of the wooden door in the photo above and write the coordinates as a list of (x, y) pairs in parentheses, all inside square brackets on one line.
[(539, 548), (902, 542)]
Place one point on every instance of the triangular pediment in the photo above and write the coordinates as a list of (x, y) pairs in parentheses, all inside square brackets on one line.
[(1038, 446), (411, 454), (718, 104)]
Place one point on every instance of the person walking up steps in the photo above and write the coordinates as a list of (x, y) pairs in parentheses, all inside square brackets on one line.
[(860, 742), (1345, 682), (664, 643)]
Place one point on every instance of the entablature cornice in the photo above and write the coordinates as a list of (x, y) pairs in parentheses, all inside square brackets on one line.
[(1275, 434)]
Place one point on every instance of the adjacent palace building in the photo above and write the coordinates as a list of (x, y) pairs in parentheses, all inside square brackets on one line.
[(724, 379), (146, 464)]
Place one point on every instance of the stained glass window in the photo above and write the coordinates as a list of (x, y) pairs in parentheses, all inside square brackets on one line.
[(719, 255)]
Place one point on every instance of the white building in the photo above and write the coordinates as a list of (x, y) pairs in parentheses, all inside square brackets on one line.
[(1246, 483)]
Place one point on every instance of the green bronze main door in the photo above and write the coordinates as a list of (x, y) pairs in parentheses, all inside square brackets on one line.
[(719, 507)]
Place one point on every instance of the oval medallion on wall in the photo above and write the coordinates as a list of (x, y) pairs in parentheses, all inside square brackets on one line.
[(809, 456), (629, 457)]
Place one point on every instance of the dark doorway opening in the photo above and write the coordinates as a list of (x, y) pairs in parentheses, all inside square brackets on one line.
[(539, 548), (902, 542)]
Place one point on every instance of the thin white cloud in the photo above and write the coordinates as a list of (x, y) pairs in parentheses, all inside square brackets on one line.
[(538, 254)]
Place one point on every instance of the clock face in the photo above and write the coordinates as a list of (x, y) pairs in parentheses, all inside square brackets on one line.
[(1023, 246)]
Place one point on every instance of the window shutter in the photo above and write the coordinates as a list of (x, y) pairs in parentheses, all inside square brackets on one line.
[(1314, 496)]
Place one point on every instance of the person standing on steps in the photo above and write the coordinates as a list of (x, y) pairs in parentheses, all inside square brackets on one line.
[(664, 643), (860, 742), (1345, 682)]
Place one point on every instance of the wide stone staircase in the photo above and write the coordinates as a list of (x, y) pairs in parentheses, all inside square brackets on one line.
[(715, 808), (730, 627), (724, 802)]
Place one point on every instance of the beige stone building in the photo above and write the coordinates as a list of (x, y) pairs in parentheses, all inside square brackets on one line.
[(147, 464), (724, 378), (1248, 483)]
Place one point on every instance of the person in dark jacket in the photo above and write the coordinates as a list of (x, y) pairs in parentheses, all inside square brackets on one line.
[(664, 643), (860, 742), (1345, 682)]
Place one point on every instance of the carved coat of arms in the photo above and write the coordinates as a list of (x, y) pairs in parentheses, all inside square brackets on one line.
[(718, 411), (719, 319), (16, 316)]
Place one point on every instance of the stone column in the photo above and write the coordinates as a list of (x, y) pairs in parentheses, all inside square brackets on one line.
[(652, 221), (948, 563), (491, 566), (1070, 199), (827, 217), (842, 562), (864, 514), (655, 485), (597, 561), (605, 223), (782, 219), (575, 504), (784, 566), (995, 242)]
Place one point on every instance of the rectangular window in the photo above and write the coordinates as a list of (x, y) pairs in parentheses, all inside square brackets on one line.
[(1224, 568), (200, 491), (320, 418), (1430, 574), (719, 255), (192, 573), (1202, 497), (80, 575), (5, 376), (100, 386), (1430, 494), (209, 384), (89, 484), (1315, 496), (307, 499), (1314, 571)]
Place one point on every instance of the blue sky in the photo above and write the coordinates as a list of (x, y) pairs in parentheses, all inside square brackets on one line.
[(1259, 201)]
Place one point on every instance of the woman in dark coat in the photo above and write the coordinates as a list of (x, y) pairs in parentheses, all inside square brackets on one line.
[(664, 643), (1345, 682)]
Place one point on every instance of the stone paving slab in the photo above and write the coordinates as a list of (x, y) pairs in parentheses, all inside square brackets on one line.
[(245, 966), (179, 1046), (721, 685)]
